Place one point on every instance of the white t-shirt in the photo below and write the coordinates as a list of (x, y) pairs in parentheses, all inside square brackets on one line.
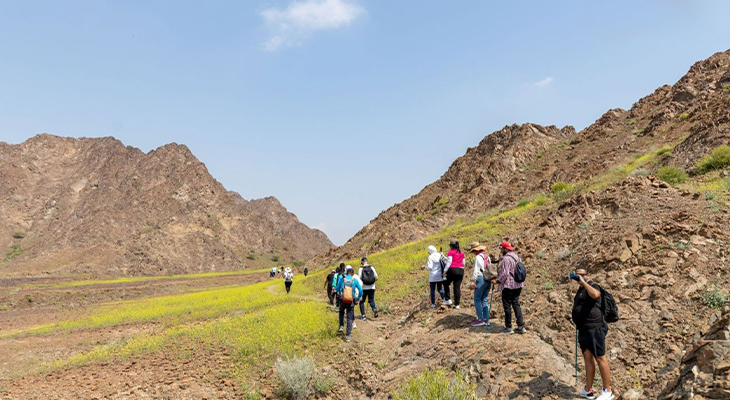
[(364, 286)]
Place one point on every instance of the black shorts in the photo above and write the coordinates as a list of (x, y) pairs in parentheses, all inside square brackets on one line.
[(593, 340)]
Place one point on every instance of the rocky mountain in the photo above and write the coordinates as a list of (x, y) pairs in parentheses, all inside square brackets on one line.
[(96, 206), (521, 161)]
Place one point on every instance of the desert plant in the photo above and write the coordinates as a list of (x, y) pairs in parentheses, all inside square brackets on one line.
[(251, 256), (558, 187), (548, 286), (275, 258), (295, 377), (563, 253), (631, 122), (540, 200), (435, 385), (18, 235), (15, 251), (718, 159), (419, 217), (671, 175), (683, 116), (583, 225), (726, 87), (713, 298), (540, 254), (678, 245), (664, 151), (640, 172), (298, 263), (710, 195), (523, 203)]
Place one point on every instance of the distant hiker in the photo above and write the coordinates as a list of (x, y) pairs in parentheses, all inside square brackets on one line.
[(306, 271), (328, 286), (435, 277), (368, 276), (338, 275), (350, 292), (272, 272), (454, 273), (510, 289), (592, 330), (482, 279), (288, 279)]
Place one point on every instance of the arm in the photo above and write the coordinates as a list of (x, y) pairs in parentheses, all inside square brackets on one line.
[(375, 273), (593, 292), (448, 263), (358, 294), (502, 275), (429, 264), (478, 266)]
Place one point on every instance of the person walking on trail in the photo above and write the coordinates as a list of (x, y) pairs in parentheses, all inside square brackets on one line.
[(592, 330), (481, 283), (368, 276), (306, 271), (510, 289), (435, 277), (272, 273), (350, 292), (329, 288), (288, 279), (338, 275), (454, 273)]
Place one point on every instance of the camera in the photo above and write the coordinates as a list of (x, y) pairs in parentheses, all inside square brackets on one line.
[(575, 276)]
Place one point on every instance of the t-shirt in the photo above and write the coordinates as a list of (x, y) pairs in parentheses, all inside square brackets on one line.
[(587, 311), (457, 258), (330, 277)]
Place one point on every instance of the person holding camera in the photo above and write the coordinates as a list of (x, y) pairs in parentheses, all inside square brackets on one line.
[(592, 330)]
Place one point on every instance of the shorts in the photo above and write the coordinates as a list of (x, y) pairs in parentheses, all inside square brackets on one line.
[(593, 340)]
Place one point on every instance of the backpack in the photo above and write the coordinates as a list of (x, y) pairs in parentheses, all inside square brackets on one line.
[(347, 292), (486, 271), (520, 273), (608, 307), (368, 275), (444, 261), (288, 276)]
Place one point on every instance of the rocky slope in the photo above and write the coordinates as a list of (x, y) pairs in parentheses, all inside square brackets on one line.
[(520, 161), (96, 206)]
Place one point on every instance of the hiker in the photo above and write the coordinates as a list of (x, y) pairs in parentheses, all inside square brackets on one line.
[(288, 278), (328, 286), (454, 273), (338, 275), (510, 289), (592, 330), (435, 276), (306, 271), (350, 292), (368, 276), (481, 283), (272, 272)]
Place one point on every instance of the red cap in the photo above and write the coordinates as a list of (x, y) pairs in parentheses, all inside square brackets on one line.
[(506, 245)]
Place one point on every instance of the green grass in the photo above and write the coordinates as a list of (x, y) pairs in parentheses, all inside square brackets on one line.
[(683, 116), (436, 385), (138, 279), (671, 175), (14, 252), (718, 159)]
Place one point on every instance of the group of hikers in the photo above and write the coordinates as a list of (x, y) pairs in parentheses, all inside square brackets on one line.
[(345, 290), (288, 276)]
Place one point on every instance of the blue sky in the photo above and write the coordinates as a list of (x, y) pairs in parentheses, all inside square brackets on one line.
[(339, 108)]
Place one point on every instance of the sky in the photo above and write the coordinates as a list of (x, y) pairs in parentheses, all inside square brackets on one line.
[(339, 108)]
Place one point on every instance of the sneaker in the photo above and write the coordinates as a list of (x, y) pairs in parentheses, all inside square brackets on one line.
[(354, 325), (586, 394), (348, 338), (363, 318), (341, 329), (479, 322), (521, 330), (433, 306), (457, 307), (447, 303), (376, 313), (605, 395), (507, 331)]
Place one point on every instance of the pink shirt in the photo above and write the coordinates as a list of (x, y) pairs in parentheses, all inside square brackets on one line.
[(457, 258)]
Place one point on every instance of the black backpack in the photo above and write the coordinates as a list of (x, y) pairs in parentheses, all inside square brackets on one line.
[(368, 275), (608, 307), (520, 273), (443, 261)]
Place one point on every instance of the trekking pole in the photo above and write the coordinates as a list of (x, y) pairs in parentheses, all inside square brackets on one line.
[(489, 309), (576, 357)]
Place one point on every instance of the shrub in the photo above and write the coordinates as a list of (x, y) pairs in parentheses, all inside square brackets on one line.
[(640, 172), (298, 263), (631, 122), (419, 217), (251, 256), (560, 187), (726, 87), (713, 298), (18, 235), (295, 376), (275, 258), (540, 200), (540, 254), (710, 196), (523, 203), (15, 251), (583, 225), (683, 116), (563, 253), (664, 151), (671, 175), (548, 286), (718, 159), (435, 385)]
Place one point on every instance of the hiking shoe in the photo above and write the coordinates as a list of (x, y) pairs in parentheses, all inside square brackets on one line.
[(447, 303), (432, 306), (605, 395), (348, 338), (376, 313), (586, 394), (507, 331), (363, 318), (521, 330), (341, 329), (479, 322), (457, 307), (354, 325)]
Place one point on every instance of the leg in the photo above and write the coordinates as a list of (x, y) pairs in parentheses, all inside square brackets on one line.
[(518, 309), (447, 282), (342, 315), (362, 303), (440, 288), (485, 299), (590, 368), (457, 288), (605, 371), (372, 301), (478, 292), (350, 317), (507, 305), (433, 292)]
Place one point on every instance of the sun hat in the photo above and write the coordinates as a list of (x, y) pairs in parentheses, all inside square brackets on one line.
[(506, 245), (287, 269), (476, 246)]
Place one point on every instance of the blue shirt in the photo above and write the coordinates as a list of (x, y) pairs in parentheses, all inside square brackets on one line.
[(356, 287)]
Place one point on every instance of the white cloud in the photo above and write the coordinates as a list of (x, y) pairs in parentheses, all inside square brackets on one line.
[(300, 19), (545, 82)]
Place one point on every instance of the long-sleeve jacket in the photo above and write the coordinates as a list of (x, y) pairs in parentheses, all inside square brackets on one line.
[(356, 287), (481, 266), (433, 265), (507, 266)]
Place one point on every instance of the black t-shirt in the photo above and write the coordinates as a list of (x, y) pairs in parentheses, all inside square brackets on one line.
[(330, 278), (587, 311)]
